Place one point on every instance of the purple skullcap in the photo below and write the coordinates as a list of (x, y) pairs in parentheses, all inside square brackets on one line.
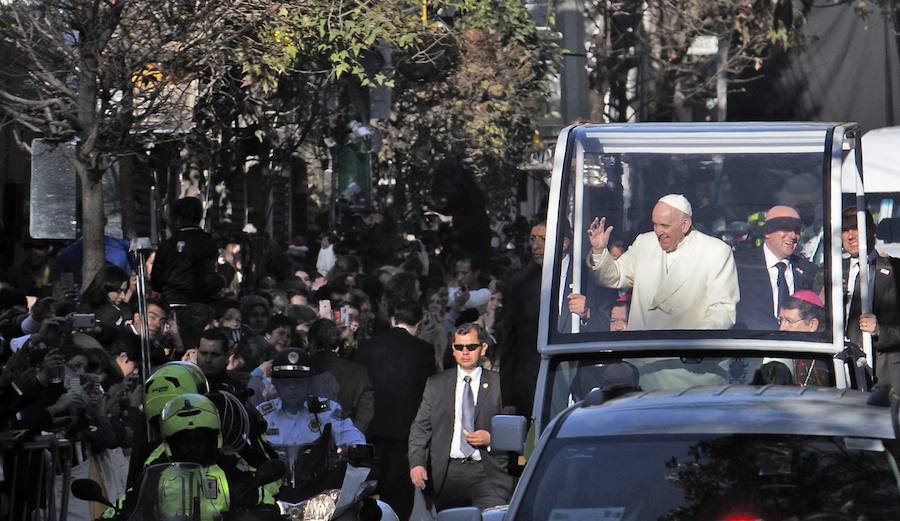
[(810, 296)]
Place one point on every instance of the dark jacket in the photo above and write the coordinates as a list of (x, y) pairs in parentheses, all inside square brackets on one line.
[(884, 306), (599, 300), (354, 387), (432, 430), (519, 358), (399, 364), (185, 267), (755, 309)]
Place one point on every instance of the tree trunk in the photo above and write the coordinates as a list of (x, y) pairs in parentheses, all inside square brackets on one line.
[(92, 224)]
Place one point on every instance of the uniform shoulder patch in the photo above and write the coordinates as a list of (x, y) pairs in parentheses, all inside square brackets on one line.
[(272, 431), (266, 407)]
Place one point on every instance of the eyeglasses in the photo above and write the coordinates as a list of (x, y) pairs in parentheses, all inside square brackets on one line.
[(470, 347), (782, 320), (789, 229)]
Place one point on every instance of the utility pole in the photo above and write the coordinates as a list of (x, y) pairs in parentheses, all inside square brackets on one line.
[(573, 76)]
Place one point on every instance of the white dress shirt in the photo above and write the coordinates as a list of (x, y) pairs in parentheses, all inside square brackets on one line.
[(771, 263), (563, 275), (851, 281), (457, 410)]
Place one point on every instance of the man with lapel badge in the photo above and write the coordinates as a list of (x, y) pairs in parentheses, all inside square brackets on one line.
[(768, 275), (884, 320), (452, 431)]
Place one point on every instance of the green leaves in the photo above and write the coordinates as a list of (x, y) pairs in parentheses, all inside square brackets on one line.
[(477, 104), (331, 37)]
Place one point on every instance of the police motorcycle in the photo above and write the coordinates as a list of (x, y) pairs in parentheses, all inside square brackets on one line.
[(194, 480), (328, 463), (353, 501)]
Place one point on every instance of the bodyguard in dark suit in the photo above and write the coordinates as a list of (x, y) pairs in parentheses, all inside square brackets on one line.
[(452, 431), (884, 320), (354, 387), (399, 364), (769, 274), (519, 357)]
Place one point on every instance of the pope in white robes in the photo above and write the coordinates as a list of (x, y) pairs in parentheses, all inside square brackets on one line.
[(681, 278)]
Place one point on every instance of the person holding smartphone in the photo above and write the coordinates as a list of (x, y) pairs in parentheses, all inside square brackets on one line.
[(465, 291)]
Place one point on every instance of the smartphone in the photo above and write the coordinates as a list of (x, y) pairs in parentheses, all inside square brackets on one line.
[(72, 382), (345, 315), (95, 391), (83, 321), (325, 309)]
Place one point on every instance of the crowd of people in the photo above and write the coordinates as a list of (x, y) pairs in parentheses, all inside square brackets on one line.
[(320, 341)]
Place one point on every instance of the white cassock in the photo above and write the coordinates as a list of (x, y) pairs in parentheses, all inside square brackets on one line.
[(697, 290)]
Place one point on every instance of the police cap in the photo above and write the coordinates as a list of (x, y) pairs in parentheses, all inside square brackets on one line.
[(292, 363)]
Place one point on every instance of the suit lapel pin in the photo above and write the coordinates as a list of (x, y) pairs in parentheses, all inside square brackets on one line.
[(485, 385)]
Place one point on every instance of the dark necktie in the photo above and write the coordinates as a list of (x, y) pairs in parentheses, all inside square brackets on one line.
[(467, 419), (855, 302), (783, 292)]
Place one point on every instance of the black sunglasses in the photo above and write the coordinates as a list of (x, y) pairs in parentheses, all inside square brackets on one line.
[(470, 347)]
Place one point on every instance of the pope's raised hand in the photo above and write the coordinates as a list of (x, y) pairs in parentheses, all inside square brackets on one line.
[(599, 233)]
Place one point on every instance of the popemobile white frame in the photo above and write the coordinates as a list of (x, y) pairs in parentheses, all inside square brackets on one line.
[(836, 141)]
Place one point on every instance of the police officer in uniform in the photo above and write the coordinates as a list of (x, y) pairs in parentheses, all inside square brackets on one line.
[(297, 420)]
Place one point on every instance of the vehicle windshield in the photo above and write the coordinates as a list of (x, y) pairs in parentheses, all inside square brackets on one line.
[(708, 259), (713, 478), (571, 380)]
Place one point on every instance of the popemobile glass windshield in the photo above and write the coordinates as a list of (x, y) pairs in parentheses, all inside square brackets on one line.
[(730, 176)]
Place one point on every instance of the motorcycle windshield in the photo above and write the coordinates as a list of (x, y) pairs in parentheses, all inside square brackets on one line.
[(179, 492)]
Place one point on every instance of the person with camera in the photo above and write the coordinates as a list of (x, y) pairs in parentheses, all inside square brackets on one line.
[(107, 297), (32, 395), (465, 290)]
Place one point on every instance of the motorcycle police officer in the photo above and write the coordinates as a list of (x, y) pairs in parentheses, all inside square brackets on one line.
[(297, 422), (191, 430), (297, 417)]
